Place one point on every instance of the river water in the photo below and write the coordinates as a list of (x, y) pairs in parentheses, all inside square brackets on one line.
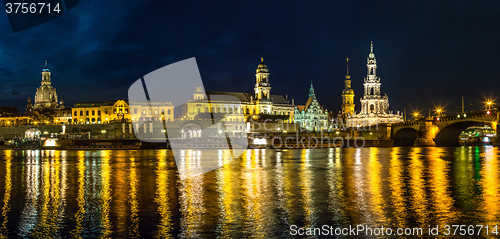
[(263, 193)]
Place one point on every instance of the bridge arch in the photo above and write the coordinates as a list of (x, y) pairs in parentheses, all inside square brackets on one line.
[(448, 136), (405, 137)]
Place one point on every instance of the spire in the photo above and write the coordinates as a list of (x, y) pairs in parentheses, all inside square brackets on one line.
[(347, 76), (45, 68), (371, 56), (311, 90), (261, 59)]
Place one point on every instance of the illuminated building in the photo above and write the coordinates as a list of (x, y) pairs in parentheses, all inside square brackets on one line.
[(311, 116), (374, 106), (347, 96), (118, 110), (46, 98), (260, 105), (62, 116)]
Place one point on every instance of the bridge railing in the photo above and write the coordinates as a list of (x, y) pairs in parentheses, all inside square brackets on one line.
[(459, 116)]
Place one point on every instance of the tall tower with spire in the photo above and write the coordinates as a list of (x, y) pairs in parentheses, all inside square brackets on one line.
[(347, 96), (374, 105), (373, 102), (46, 95), (262, 85)]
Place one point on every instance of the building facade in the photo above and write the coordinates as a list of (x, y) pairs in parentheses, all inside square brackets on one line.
[(119, 110), (311, 116), (241, 107), (374, 105)]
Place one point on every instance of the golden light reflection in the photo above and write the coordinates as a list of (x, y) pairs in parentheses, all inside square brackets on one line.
[(464, 177), (396, 183), (443, 202), (305, 185), (356, 193), (290, 189), (8, 188), (50, 198), (75, 233), (227, 195), (191, 195), (105, 193), (491, 189), (375, 188), (336, 195), (254, 181), (30, 211), (120, 197), (162, 198), (417, 187), (134, 207)]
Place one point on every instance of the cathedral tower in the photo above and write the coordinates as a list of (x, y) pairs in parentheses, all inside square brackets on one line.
[(262, 85), (373, 102), (347, 96)]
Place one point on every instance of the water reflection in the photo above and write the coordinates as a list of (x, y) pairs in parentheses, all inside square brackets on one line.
[(142, 194), (490, 189)]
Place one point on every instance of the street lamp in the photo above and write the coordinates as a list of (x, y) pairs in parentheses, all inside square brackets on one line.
[(439, 110), (488, 104), (416, 115)]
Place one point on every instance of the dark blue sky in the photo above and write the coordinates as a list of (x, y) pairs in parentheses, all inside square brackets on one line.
[(428, 53)]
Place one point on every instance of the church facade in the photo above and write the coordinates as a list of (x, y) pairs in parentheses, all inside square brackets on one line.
[(311, 116), (374, 105)]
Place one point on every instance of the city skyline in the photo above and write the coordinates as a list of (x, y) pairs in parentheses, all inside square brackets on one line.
[(419, 61)]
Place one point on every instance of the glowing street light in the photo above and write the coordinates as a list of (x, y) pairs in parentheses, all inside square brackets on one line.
[(488, 104), (416, 115), (439, 111)]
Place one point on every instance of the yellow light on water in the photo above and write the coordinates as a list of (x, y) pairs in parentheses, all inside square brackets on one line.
[(50, 143)]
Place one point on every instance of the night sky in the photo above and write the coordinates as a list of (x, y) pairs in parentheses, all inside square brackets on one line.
[(428, 53)]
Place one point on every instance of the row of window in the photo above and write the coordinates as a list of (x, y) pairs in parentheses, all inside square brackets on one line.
[(236, 111), (93, 112), (169, 112)]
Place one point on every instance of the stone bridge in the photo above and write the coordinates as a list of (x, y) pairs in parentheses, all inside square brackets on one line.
[(440, 131)]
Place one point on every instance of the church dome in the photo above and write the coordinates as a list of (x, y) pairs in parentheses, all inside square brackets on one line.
[(262, 68), (46, 93)]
